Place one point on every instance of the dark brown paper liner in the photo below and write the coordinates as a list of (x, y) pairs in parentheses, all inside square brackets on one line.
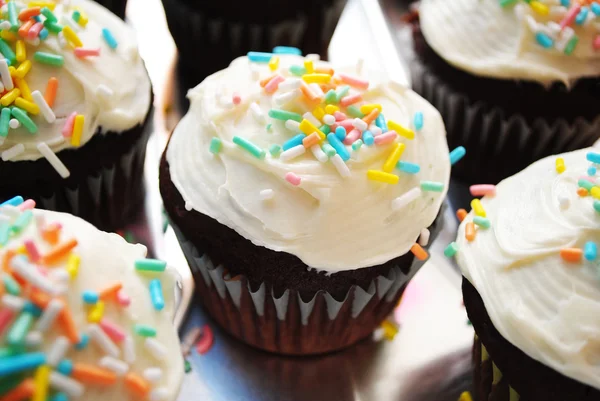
[(289, 324), (498, 144), (106, 185), (117, 7)]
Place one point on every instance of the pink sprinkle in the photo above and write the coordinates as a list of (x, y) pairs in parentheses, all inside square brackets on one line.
[(274, 84), (386, 138), (83, 52), (597, 42), (339, 116), (32, 250), (6, 316), (28, 204), (112, 330), (354, 81), (123, 298), (67, 130), (293, 179), (34, 31), (346, 124), (207, 340), (571, 15), (237, 99), (351, 99), (483, 190), (352, 137)]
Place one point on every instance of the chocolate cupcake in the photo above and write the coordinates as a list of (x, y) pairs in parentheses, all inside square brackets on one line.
[(514, 81), (221, 31), (298, 213), (531, 285), (76, 110)]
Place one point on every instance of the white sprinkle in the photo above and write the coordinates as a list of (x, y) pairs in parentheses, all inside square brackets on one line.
[(378, 334), (156, 349), (292, 125), (318, 153), (267, 194), (11, 210), (104, 93), (117, 366), (57, 351), (103, 341), (317, 89), (554, 29), (31, 273), (49, 314), (564, 38), (129, 350), (424, 237), (59, 275), (557, 12), (57, 140), (159, 394), (375, 130), (405, 199), (340, 165), (14, 123), (13, 152), (292, 153), (188, 206), (226, 102), (313, 57), (5, 25), (313, 120), (53, 160), (564, 202), (45, 109), (531, 23), (153, 375), (13, 302), (287, 97), (33, 42), (33, 339), (359, 124), (65, 384), (61, 40), (290, 84), (329, 119), (5, 74), (257, 113), (359, 65)]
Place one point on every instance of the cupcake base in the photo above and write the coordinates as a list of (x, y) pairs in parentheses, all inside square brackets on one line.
[(502, 372)]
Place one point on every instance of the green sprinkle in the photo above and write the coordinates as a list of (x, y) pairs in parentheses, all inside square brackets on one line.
[(76, 16), (298, 70), (13, 16), (5, 352), (144, 330), (248, 146), (329, 150), (469, 323), (49, 59), (585, 184), (11, 285), (22, 221), (596, 208), (342, 92), (7, 52), (269, 127), (19, 329), (215, 146), (24, 119), (53, 26), (432, 186), (285, 115), (451, 250), (506, 3), (46, 12), (187, 366), (4, 121), (4, 233), (325, 129), (355, 112), (357, 145), (331, 97), (482, 222), (150, 265), (275, 150), (570, 47)]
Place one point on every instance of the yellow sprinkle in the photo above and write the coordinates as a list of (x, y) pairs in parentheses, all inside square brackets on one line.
[(13, 71), (23, 69), (308, 128), (367, 108), (8, 36), (316, 78), (274, 63), (10, 97), (21, 51), (310, 66), (22, 250), (318, 112), (393, 158), (539, 8), (22, 85), (96, 313), (382, 176), (77, 130), (465, 396), (560, 165), (389, 330), (595, 192), (83, 18), (41, 379), (400, 130), (331, 108), (42, 4), (73, 265), (71, 36), (478, 208), (28, 106)]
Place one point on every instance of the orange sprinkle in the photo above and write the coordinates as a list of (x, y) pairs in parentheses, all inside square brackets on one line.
[(39, 299), (137, 385), (24, 29), (22, 392), (327, 87), (51, 89), (308, 92), (51, 233), (324, 70), (110, 290), (265, 81), (369, 118), (470, 231), (27, 13), (571, 254), (6, 260), (311, 140), (59, 252), (582, 192), (68, 325), (90, 374), (461, 214), (419, 252)]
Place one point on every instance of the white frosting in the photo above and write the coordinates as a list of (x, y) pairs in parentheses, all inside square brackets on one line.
[(546, 307), (105, 259), (121, 70), (330, 222), (485, 39)]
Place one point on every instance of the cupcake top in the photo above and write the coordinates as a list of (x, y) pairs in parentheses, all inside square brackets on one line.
[(544, 41), (91, 59), (83, 312), (341, 168), (536, 266)]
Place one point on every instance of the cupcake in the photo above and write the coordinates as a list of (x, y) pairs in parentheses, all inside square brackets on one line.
[(515, 81), (298, 193), (84, 314), (531, 284), (76, 102), (222, 31), (117, 7)]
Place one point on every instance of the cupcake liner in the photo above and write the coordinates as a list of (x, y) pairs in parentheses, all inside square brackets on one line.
[(285, 322), (220, 37), (117, 7), (498, 144), (489, 383)]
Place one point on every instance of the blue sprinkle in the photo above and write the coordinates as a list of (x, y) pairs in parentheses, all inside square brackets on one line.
[(287, 50), (65, 367), (109, 38), (418, 121), (368, 138), (544, 40), (595, 8), (90, 297), (409, 168), (156, 295), (582, 16), (43, 34), (37, 18), (16, 201), (59, 397), (340, 133), (593, 157), (20, 363), (260, 57), (592, 170), (381, 123), (457, 154), (32, 309), (293, 142), (83, 343), (339, 147), (590, 251), (565, 3)]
